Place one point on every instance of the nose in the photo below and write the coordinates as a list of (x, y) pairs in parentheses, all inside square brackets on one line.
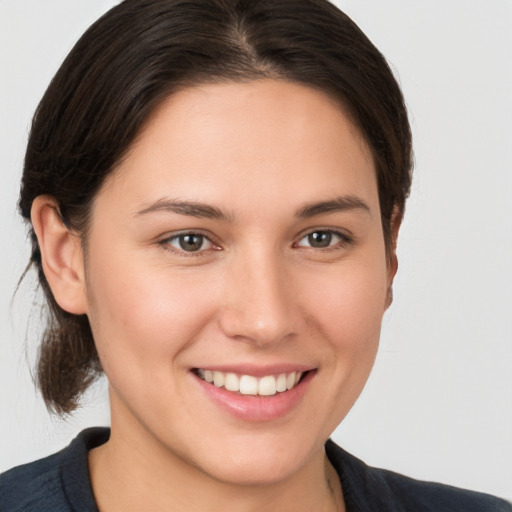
[(259, 304)]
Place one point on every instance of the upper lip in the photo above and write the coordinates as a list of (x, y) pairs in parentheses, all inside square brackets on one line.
[(258, 370)]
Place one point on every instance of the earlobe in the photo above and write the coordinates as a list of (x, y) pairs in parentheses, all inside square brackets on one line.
[(61, 255)]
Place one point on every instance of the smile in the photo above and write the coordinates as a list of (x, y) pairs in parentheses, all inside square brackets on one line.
[(267, 385)]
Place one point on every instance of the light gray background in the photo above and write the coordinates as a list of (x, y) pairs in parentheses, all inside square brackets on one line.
[(439, 402)]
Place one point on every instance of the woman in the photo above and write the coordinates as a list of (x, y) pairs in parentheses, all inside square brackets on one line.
[(215, 191)]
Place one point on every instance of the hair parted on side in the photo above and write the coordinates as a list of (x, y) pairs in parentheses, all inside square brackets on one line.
[(140, 52)]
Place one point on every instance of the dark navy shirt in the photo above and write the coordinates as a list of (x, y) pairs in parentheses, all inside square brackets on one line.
[(60, 483)]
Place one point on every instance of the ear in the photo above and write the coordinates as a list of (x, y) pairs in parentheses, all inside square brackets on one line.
[(61, 255), (396, 221)]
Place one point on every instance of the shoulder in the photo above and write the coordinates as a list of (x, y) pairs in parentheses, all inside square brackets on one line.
[(34, 486), (368, 488), (437, 497), (55, 483)]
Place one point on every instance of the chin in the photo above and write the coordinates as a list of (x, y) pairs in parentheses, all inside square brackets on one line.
[(254, 472), (256, 462)]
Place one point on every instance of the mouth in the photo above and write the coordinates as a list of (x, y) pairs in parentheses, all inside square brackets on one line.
[(256, 394), (265, 385)]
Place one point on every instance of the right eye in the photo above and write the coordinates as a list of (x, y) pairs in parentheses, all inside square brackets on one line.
[(188, 242)]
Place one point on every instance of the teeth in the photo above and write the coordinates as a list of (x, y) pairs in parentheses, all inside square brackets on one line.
[(290, 380), (248, 385), (267, 386), (281, 383), (218, 379), (232, 382)]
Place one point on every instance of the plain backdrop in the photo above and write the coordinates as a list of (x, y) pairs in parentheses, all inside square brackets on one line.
[(438, 405)]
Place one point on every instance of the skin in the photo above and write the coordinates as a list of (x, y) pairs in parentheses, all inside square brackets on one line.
[(256, 292)]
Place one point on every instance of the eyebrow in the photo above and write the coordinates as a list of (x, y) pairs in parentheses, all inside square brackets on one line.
[(206, 211), (338, 204), (191, 208)]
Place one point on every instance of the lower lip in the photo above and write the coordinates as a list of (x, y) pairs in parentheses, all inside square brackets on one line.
[(257, 408)]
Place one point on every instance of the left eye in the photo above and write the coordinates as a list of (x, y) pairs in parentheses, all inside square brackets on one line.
[(189, 242), (321, 239)]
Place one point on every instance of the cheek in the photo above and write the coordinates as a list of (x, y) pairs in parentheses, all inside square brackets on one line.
[(141, 315), (347, 307), (343, 306)]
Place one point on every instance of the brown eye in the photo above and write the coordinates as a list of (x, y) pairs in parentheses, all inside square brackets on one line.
[(188, 242), (324, 239), (191, 242), (320, 239)]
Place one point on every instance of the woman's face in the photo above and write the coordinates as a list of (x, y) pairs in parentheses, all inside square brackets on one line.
[(239, 240)]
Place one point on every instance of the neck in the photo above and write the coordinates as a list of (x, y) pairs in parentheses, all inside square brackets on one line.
[(131, 473)]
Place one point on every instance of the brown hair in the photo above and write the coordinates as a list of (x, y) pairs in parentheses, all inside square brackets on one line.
[(139, 53)]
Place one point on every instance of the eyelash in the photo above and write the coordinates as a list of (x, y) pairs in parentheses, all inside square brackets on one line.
[(343, 241), (166, 244)]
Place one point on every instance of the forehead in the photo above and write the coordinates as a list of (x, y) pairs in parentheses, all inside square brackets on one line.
[(253, 141)]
